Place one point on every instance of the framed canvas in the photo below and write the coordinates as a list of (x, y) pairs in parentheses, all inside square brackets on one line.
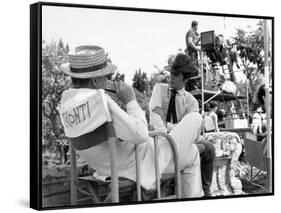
[(134, 105)]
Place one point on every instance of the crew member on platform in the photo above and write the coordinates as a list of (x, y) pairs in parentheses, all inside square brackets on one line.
[(192, 40)]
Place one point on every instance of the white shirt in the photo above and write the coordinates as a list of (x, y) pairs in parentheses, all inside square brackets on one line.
[(209, 122), (259, 118), (159, 103)]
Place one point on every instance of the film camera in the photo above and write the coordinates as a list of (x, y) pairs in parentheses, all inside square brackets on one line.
[(213, 46)]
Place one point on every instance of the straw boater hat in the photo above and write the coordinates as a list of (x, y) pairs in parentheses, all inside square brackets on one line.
[(183, 64), (88, 61)]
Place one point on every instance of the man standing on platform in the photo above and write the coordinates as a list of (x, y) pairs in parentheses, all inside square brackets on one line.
[(192, 40), (176, 111)]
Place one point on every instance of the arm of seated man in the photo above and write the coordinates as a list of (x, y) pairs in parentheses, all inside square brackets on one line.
[(130, 125)]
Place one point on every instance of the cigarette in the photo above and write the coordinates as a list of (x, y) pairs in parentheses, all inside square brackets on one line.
[(110, 90)]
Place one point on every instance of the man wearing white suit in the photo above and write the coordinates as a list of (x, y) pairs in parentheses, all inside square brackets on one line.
[(176, 111)]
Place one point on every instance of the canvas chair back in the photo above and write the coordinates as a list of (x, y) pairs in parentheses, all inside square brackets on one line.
[(255, 151), (84, 121)]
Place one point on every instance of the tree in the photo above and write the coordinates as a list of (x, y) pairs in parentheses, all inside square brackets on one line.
[(140, 81), (159, 77), (54, 82), (60, 44), (250, 46), (67, 48)]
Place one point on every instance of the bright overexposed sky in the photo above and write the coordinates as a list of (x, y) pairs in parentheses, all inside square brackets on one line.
[(133, 39)]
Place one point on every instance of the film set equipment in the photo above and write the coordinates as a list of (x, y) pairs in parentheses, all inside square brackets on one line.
[(213, 46)]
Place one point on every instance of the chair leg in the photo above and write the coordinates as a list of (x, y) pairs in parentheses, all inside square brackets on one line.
[(94, 193), (251, 173), (73, 178), (108, 198)]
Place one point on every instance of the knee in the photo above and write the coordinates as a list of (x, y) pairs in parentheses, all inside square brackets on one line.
[(194, 118), (208, 150)]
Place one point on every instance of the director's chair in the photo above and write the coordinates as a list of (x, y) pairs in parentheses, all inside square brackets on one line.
[(116, 183)]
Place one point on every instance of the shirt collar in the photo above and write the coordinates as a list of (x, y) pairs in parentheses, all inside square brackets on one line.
[(180, 91)]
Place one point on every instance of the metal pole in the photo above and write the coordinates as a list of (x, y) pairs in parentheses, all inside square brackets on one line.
[(202, 87), (138, 172), (213, 96), (113, 163), (247, 98), (157, 172), (73, 177), (267, 102)]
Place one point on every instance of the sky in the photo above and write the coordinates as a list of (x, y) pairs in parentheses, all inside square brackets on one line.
[(133, 39)]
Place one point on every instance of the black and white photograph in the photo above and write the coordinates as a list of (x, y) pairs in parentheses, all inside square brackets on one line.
[(139, 105)]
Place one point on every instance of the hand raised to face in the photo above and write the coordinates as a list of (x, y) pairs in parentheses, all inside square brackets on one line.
[(124, 92)]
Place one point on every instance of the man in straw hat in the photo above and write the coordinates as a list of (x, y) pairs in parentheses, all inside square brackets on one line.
[(174, 110), (90, 71)]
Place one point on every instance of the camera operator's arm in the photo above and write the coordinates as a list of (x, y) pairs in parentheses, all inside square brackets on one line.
[(190, 43), (130, 126)]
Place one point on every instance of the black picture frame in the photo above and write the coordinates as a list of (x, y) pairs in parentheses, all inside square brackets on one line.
[(36, 187)]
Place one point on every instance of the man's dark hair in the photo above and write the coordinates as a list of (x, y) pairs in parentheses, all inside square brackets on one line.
[(221, 114), (213, 104), (80, 81), (186, 76), (207, 107), (261, 94), (194, 23), (184, 63)]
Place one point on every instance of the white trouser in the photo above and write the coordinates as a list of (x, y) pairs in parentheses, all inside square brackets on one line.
[(184, 135)]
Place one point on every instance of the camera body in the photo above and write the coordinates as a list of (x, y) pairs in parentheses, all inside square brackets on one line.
[(213, 46)]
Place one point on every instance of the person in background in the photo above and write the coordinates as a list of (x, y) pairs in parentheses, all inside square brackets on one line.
[(192, 40), (211, 118), (259, 122), (221, 118)]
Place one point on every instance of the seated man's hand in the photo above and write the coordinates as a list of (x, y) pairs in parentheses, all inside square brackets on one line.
[(124, 92), (170, 126)]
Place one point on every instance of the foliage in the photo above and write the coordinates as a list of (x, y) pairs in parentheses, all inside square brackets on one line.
[(140, 81), (250, 47), (143, 101), (159, 77), (54, 82)]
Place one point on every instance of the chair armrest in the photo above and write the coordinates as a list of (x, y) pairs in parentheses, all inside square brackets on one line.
[(175, 156), (169, 139)]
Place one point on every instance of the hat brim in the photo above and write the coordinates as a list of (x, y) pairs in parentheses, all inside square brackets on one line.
[(109, 69), (168, 68), (191, 70)]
